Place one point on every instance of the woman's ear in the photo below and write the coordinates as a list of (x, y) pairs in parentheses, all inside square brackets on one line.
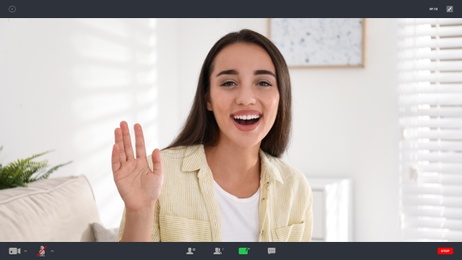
[(209, 104)]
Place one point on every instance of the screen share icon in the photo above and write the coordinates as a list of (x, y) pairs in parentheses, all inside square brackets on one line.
[(243, 250)]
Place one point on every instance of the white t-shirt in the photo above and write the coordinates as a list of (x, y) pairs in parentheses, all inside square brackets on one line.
[(239, 216)]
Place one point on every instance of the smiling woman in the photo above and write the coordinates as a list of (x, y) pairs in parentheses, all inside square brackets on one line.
[(244, 95), (221, 179)]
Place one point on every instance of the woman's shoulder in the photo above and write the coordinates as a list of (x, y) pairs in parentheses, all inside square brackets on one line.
[(176, 155), (179, 152), (280, 168)]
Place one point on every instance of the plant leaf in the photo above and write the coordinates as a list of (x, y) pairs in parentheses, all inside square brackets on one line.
[(23, 171)]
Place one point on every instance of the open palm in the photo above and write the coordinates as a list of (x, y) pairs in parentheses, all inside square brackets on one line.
[(138, 185)]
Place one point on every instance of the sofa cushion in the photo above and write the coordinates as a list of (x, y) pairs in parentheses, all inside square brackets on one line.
[(103, 234), (55, 209)]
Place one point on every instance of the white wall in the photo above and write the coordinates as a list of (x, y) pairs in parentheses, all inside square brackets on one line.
[(66, 83), (346, 125)]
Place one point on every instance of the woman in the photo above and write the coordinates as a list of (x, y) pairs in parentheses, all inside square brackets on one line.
[(221, 179)]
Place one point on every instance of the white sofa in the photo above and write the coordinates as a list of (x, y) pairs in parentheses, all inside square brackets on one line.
[(59, 209)]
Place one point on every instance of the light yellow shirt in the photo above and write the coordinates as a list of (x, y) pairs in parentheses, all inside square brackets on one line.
[(188, 211)]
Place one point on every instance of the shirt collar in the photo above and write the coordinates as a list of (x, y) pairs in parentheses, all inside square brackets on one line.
[(194, 159), (269, 171)]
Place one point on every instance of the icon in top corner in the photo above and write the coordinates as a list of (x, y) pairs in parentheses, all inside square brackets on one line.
[(449, 9), (12, 9)]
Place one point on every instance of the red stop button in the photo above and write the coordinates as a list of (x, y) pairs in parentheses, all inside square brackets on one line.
[(445, 251)]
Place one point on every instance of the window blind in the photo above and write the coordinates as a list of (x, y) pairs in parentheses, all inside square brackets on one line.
[(430, 107)]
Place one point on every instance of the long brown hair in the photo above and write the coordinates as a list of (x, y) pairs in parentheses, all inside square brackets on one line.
[(201, 127)]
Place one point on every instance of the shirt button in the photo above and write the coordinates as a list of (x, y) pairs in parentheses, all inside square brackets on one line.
[(263, 199), (267, 183)]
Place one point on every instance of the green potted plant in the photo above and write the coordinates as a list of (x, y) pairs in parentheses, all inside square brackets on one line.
[(23, 171)]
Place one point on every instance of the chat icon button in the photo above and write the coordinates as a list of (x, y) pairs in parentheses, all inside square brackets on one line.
[(271, 250)]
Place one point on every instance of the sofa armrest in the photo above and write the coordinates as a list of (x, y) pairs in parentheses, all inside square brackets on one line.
[(56, 209)]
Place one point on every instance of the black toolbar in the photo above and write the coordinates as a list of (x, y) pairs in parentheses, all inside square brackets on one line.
[(230, 9), (235, 250)]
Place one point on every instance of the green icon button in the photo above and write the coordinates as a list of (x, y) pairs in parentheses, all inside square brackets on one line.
[(244, 250)]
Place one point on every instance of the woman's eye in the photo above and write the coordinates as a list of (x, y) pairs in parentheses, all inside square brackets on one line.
[(264, 84), (228, 84)]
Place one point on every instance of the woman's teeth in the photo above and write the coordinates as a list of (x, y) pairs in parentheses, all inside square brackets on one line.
[(246, 119)]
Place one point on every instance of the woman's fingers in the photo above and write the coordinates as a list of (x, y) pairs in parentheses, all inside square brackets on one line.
[(139, 142), (134, 180), (122, 151), (115, 158), (156, 162), (120, 144), (127, 142)]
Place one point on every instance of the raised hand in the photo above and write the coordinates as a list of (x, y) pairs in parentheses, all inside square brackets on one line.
[(138, 186)]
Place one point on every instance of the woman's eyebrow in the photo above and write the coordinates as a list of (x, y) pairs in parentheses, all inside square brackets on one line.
[(227, 72), (264, 72), (234, 72)]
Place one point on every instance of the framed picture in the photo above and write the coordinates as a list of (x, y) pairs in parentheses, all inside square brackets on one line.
[(319, 42)]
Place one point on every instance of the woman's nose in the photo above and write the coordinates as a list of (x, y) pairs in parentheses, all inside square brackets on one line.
[(246, 96)]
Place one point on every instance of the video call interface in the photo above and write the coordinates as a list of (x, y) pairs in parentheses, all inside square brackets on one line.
[(370, 165)]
